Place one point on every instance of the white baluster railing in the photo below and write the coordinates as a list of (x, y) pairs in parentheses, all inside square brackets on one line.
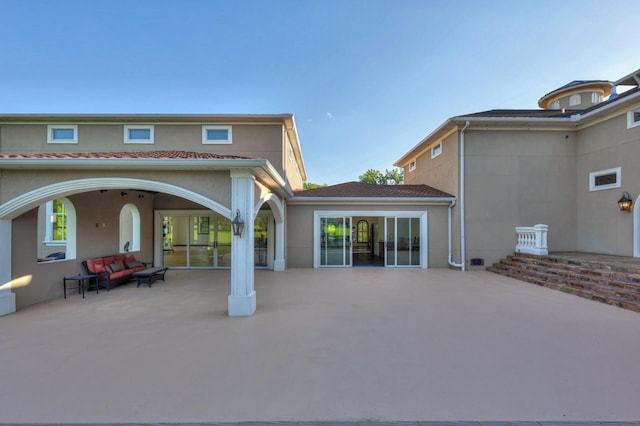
[(532, 239)]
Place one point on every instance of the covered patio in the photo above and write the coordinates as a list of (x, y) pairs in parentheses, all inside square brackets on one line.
[(324, 344)]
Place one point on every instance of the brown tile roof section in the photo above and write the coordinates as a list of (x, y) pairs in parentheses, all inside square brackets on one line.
[(131, 155), (366, 190)]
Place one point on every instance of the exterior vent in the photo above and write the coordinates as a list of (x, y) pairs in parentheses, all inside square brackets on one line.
[(476, 261)]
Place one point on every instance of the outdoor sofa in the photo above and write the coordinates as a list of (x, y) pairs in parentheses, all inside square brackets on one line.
[(113, 270)]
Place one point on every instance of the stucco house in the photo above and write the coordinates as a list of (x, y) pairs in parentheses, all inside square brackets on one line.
[(167, 188), (566, 165)]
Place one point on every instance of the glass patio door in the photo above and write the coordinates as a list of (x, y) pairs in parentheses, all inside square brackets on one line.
[(196, 241), (335, 241), (402, 245)]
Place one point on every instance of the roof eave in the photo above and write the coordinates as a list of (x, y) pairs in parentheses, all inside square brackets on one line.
[(368, 200)]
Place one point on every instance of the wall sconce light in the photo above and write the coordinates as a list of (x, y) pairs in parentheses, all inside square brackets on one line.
[(238, 224), (625, 202), (123, 193), (140, 196), (54, 218)]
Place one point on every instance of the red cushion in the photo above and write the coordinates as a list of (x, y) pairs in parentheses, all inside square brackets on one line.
[(99, 268), (109, 260), (93, 264), (120, 257), (139, 268), (119, 274), (130, 259)]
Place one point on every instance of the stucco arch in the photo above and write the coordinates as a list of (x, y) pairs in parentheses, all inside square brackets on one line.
[(25, 202), (277, 208)]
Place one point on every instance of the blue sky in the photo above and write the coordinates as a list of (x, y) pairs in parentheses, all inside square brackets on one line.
[(365, 79)]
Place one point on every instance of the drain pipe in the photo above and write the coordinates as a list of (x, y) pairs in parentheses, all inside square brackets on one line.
[(462, 264), (450, 258)]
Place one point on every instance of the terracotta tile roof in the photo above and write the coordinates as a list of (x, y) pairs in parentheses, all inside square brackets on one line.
[(366, 190), (133, 155)]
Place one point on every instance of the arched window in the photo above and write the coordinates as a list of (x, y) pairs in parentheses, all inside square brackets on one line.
[(129, 228), (575, 100), (56, 230), (362, 232)]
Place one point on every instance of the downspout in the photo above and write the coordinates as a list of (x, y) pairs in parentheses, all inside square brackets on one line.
[(450, 258), (463, 260)]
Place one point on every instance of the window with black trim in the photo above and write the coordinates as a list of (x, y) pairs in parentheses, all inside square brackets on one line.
[(633, 118)]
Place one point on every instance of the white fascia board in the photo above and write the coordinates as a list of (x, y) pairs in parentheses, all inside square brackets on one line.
[(156, 118), (370, 200)]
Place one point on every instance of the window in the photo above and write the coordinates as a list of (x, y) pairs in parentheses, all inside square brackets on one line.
[(633, 119), (216, 135), (129, 228), (362, 232), (575, 100), (436, 150), (62, 134), (555, 105), (605, 179), (290, 154), (138, 134), (412, 165), (56, 230), (595, 97)]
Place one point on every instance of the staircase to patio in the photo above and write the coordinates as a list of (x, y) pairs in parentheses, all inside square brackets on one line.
[(614, 280)]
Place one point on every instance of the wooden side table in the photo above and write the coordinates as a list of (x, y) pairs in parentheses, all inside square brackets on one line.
[(81, 279)]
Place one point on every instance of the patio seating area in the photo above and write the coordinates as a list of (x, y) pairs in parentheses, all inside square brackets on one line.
[(361, 344)]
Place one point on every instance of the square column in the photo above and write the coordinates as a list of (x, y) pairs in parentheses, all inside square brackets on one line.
[(7, 298), (242, 300), (279, 264)]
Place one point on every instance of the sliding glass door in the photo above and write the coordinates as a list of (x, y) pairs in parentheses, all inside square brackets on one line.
[(335, 241)]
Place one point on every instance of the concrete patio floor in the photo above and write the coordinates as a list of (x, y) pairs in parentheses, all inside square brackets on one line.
[(334, 344)]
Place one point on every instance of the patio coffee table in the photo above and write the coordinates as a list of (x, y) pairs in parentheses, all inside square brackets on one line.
[(149, 275)]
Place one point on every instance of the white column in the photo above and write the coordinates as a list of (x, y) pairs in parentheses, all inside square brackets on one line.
[(7, 298), (242, 300), (278, 264)]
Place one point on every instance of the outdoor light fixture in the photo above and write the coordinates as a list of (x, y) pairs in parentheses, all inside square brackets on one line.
[(625, 202), (238, 224)]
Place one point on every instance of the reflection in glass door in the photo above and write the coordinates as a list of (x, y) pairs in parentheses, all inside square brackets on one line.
[(403, 241), (260, 239), (335, 241), (196, 241)]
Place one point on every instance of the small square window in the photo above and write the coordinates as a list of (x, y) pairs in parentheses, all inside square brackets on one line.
[(216, 135), (62, 134), (605, 179), (436, 150), (412, 165), (139, 134), (633, 119)]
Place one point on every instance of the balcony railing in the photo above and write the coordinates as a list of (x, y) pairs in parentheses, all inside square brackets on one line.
[(532, 239)]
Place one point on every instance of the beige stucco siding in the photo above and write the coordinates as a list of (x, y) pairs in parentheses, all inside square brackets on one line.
[(441, 172), (300, 230), (518, 178), (255, 141), (602, 227)]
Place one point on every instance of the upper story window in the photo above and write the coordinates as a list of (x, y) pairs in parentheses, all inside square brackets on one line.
[(595, 97), (62, 133), (605, 179), (436, 150), (555, 105), (633, 119), (412, 165), (575, 100), (216, 135), (290, 154), (138, 134)]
